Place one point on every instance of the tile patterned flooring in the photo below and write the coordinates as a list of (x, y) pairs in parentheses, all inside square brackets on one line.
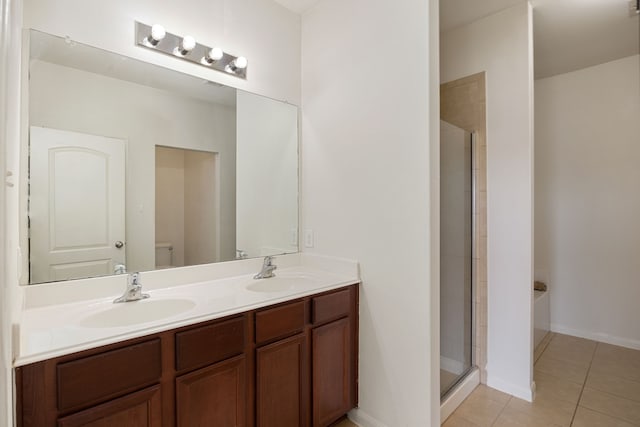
[(580, 383), (346, 423)]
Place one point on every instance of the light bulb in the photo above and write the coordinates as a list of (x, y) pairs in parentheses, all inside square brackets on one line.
[(157, 33), (216, 54), (188, 43), (241, 62), (212, 56)]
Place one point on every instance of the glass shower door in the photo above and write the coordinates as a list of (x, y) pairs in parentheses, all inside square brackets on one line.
[(456, 238)]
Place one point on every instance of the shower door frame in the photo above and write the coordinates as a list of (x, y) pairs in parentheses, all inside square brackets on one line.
[(473, 228)]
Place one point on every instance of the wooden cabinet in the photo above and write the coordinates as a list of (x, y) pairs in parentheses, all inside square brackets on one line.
[(213, 396), (138, 409), (333, 358), (331, 374), (282, 383), (291, 364)]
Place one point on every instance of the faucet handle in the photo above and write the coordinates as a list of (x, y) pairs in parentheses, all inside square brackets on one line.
[(133, 279)]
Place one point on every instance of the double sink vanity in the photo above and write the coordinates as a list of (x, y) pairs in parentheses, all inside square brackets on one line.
[(129, 166), (234, 351)]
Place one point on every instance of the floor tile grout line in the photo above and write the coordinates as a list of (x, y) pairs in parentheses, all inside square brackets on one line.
[(584, 384), (615, 417), (502, 410), (546, 343)]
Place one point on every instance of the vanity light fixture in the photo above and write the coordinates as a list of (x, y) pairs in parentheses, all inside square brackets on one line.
[(188, 49)]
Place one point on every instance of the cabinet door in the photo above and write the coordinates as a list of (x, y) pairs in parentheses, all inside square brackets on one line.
[(331, 371), (140, 409), (213, 396), (282, 391)]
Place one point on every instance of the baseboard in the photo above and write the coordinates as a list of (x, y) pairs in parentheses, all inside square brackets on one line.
[(362, 419), (451, 365), (597, 336), (525, 393), (460, 393)]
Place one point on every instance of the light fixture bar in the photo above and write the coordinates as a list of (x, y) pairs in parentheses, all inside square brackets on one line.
[(173, 45)]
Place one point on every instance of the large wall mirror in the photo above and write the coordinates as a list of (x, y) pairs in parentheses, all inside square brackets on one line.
[(135, 167)]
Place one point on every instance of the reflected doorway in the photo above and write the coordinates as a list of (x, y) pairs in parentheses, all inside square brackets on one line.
[(187, 205)]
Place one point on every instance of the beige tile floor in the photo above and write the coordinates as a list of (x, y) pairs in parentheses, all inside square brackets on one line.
[(580, 383), (346, 423)]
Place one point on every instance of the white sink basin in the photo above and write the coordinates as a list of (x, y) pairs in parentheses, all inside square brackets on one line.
[(281, 283), (134, 312)]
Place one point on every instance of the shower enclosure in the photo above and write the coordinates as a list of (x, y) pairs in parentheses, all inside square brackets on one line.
[(456, 246)]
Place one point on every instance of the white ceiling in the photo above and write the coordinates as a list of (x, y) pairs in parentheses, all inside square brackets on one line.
[(568, 34), (298, 6), (456, 13), (573, 34)]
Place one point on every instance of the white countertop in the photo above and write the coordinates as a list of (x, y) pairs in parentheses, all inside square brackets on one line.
[(50, 330)]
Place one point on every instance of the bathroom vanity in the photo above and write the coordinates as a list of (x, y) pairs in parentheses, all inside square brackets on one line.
[(292, 363), (284, 355)]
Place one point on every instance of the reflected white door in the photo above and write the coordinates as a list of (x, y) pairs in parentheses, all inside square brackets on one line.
[(76, 204)]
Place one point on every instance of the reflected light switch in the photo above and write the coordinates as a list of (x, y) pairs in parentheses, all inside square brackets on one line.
[(308, 238)]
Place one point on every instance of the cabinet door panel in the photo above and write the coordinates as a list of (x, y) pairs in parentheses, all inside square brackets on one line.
[(213, 396), (331, 376), (141, 409), (281, 383)]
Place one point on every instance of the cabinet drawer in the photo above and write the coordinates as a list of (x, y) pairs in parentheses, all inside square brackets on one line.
[(143, 409), (94, 379), (209, 344), (280, 322), (331, 306)]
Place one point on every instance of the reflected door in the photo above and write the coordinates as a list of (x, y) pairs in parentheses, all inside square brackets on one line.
[(456, 197), (77, 205)]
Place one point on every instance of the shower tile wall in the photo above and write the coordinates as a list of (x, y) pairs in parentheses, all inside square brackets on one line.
[(462, 103)]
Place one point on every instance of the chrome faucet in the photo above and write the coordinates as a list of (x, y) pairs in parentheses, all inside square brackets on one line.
[(267, 269), (133, 291)]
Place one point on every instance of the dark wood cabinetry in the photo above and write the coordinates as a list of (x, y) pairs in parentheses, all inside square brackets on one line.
[(292, 364), (281, 383), (213, 396), (142, 408), (331, 374)]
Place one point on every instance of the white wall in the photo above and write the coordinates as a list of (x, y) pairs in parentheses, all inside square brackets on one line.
[(587, 199), (148, 118), (262, 30), (367, 188), (267, 176), (501, 45)]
